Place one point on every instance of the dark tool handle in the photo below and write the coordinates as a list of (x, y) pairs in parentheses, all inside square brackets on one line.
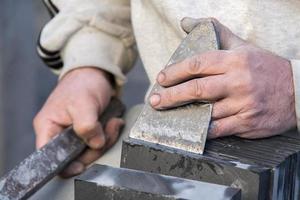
[(42, 165)]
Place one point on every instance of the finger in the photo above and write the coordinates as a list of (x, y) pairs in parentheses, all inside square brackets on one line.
[(224, 127), (227, 39), (112, 130), (78, 166), (73, 169), (207, 64), (257, 134), (45, 130), (91, 132), (86, 125), (203, 89), (225, 108)]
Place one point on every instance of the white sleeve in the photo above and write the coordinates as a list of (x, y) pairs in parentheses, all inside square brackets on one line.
[(94, 33)]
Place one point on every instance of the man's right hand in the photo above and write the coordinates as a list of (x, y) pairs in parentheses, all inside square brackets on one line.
[(78, 100)]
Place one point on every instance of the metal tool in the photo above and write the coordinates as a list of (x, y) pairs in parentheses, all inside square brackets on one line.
[(42, 165), (185, 127)]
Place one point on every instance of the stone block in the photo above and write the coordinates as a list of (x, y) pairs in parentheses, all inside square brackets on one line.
[(263, 169), (103, 182)]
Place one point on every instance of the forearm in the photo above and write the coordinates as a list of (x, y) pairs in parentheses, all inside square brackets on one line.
[(89, 33)]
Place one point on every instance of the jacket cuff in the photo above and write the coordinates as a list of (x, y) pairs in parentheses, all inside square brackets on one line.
[(296, 77), (93, 48)]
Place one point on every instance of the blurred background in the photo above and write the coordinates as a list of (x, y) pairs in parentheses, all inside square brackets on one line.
[(25, 82)]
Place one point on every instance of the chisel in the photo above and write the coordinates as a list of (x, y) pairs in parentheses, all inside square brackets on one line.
[(42, 165)]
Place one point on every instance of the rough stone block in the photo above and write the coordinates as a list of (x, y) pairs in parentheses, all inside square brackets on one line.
[(263, 169)]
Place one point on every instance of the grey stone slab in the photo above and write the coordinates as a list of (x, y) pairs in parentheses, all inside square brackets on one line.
[(103, 182), (184, 127), (207, 167), (263, 169), (280, 154)]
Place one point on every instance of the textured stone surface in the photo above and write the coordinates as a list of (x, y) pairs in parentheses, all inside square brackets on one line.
[(42, 165), (263, 169), (103, 182), (184, 127)]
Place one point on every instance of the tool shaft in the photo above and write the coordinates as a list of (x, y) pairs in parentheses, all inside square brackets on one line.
[(42, 165)]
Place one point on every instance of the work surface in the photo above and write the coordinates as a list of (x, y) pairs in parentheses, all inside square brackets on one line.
[(263, 169), (103, 182)]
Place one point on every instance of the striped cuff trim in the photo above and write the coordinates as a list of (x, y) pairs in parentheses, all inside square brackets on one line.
[(53, 10)]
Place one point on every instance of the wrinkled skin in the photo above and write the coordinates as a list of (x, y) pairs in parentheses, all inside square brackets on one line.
[(78, 100), (251, 89)]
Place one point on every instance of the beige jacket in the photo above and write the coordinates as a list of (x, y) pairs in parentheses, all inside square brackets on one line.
[(102, 33)]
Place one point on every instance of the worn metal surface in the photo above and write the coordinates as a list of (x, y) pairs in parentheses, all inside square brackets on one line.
[(103, 182), (184, 127), (263, 169), (42, 165)]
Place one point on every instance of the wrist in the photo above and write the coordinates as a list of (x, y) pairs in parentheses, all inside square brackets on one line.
[(93, 70), (94, 74)]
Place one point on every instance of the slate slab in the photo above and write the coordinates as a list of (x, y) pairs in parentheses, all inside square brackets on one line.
[(263, 169), (104, 182)]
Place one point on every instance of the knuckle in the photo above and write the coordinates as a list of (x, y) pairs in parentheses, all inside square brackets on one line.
[(255, 105), (194, 65), (171, 93), (242, 58), (252, 102), (198, 88), (247, 122), (244, 85), (218, 111), (241, 118), (85, 127)]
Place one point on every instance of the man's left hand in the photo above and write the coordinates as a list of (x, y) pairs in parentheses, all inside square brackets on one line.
[(251, 89)]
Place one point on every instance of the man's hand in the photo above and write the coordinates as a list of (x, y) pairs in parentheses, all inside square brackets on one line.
[(251, 89), (78, 100)]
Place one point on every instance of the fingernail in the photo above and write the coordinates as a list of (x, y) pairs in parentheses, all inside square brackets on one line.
[(76, 167), (97, 142), (155, 99), (161, 77)]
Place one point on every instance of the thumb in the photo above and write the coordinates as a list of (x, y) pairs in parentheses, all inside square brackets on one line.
[(227, 39), (45, 130)]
